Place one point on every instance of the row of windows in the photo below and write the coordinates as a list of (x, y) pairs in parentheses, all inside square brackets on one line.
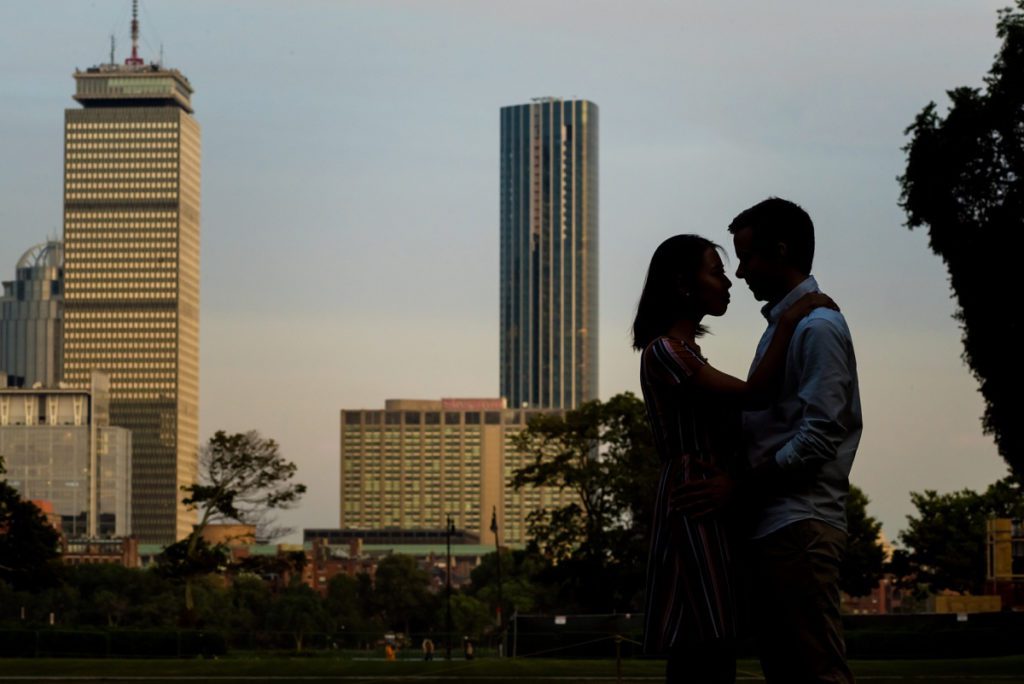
[(119, 195), (71, 336), (113, 183), (122, 125), (92, 156), (122, 325), (121, 175), (120, 315), (128, 143), (117, 229), (74, 297), (434, 417), (120, 135), (73, 288), (120, 215), (100, 166), (82, 261), (119, 363)]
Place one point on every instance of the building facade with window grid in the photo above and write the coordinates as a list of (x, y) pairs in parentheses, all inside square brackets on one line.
[(549, 243), (414, 463), (58, 446), (131, 237)]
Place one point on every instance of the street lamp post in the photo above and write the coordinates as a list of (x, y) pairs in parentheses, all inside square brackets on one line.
[(448, 529), (497, 560)]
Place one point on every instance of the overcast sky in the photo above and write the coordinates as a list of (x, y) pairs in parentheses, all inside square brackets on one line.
[(350, 191)]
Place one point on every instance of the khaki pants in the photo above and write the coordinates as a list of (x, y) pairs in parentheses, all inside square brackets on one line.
[(796, 604)]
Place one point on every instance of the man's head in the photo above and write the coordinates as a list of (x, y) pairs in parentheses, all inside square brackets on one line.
[(774, 242)]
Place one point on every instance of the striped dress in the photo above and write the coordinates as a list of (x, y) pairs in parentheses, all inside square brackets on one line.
[(690, 573)]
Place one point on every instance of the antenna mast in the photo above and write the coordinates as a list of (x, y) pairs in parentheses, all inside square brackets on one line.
[(112, 48), (135, 60)]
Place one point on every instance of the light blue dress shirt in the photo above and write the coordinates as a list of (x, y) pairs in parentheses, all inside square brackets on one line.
[(815, 423)]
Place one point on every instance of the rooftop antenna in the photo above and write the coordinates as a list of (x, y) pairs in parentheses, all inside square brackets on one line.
[(112, 43), (161, 62), (135, 60)]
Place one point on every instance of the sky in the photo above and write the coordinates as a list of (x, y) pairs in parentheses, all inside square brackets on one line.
[(350, 191)]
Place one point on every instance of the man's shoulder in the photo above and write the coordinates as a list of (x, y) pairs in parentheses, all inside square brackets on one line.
[(823, 324)]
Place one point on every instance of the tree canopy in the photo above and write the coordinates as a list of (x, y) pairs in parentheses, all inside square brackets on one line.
[(864, 559), (604, 453), (29, 545), (964, 180), (242, 478), (946, 538)]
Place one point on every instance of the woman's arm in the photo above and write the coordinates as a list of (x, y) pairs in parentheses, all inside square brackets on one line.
[(762, 385)]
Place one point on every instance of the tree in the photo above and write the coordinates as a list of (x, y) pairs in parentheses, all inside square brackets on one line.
[(521, 586), (964, 180), (946, 539), (242, 478), (863, 563), (470, 616), (401, 592), (299, 611), (29, 545), (347, 604), (604, 453)]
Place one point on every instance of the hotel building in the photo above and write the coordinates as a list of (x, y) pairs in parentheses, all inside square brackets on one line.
[(415, 462)]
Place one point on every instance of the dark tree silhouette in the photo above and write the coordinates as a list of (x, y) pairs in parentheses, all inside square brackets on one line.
[(964, 180), (862, 565), (946, 539), (28, 544), (242, 478)]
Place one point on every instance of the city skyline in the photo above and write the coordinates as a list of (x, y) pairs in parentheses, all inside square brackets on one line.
[(365, 228)]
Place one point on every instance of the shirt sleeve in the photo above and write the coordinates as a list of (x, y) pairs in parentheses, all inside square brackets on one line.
[(671, 361), (824, 391)]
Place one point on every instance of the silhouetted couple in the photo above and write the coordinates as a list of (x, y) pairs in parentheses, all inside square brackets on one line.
[(750, 524)]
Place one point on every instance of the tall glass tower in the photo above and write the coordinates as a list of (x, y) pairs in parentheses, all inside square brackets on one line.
[(31, 310), (131, 239), (549, 219)]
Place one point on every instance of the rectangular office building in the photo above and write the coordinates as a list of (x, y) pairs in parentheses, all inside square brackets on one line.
[(414, 463), (131, 293)]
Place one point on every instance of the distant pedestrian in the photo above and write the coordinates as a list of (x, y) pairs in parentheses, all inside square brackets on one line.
[(389, 651), (467, 648), (428, 649)]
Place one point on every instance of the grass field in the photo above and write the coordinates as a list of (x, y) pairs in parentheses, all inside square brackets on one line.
[(282, 669)]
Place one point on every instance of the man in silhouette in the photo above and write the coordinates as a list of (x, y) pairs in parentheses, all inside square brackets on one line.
[(800, 449)]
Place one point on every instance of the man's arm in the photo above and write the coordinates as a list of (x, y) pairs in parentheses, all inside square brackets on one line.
[(825, 385)]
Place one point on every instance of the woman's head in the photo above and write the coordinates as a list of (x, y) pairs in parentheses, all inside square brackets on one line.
[(686, 279)]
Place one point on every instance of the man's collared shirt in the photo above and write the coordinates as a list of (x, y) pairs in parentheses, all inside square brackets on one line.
[(814, 425)]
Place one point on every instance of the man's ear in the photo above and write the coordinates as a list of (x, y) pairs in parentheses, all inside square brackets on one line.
[(781, 250)]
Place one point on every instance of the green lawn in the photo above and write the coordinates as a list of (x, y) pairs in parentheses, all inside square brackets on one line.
[(278, 669)]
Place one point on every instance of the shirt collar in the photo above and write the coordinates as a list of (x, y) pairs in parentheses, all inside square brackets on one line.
[(773, 312)]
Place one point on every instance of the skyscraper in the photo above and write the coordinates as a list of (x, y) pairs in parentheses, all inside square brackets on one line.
[(31, 312), (549, 219), (131, 238)]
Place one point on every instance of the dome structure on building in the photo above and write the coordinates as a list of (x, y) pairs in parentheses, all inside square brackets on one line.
[(48, 254)]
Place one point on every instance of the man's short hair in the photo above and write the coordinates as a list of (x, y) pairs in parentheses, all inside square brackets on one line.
[(777, 220)]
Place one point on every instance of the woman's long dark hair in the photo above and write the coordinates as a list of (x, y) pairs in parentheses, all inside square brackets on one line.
[(675, 263)]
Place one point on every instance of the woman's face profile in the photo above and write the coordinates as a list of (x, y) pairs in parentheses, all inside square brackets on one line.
[(711, 285)]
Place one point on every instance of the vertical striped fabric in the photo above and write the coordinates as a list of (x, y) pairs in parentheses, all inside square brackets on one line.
[(690, 584)]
